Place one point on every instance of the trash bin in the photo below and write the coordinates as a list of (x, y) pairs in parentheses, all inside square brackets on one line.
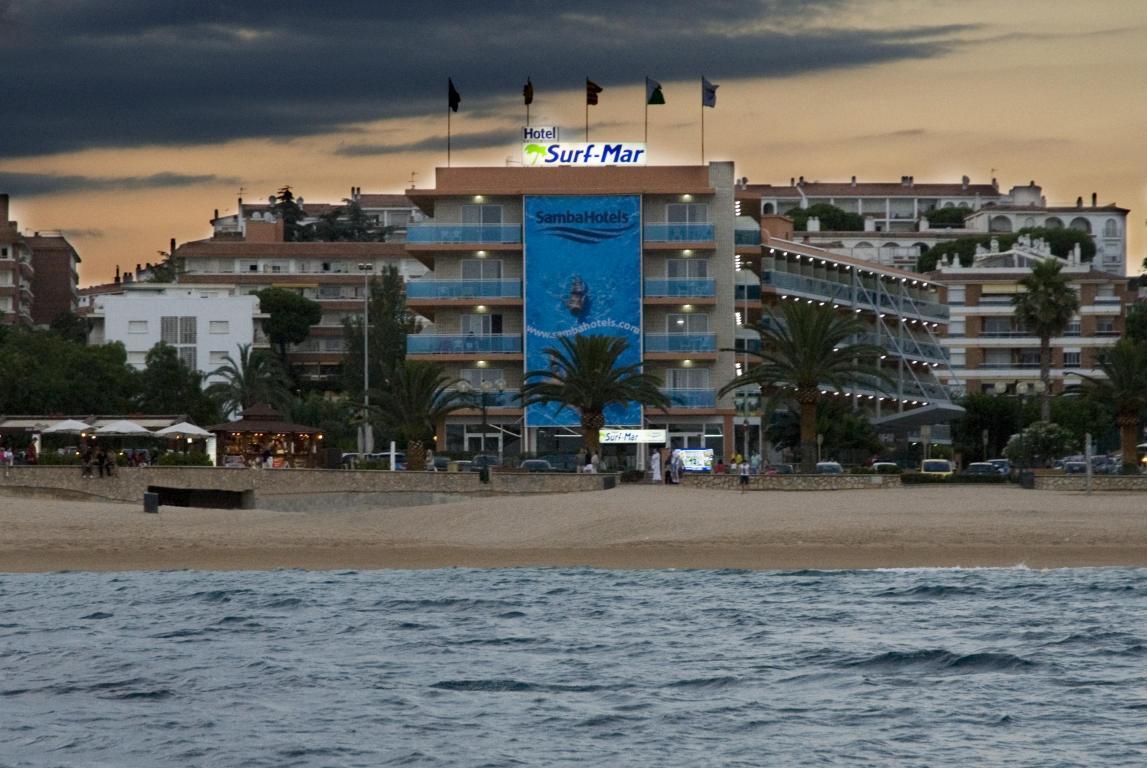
[(151, 503), (484, 474), (1027, 479)]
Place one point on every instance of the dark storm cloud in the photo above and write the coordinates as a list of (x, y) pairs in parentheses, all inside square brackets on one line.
[(98, 73), (33, 184), (482, 140)]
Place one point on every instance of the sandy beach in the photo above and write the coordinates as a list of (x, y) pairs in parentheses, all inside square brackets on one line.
[(629, 527)]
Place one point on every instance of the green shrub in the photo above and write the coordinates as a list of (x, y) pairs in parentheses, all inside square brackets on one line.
[(193, 459), (53, 459)]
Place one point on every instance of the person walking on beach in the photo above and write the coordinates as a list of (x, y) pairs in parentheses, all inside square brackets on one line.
[(743, 473), (655, 465)]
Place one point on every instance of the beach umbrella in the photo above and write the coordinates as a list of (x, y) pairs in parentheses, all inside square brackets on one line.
[(183, 429), (67, 427), (122, 428)]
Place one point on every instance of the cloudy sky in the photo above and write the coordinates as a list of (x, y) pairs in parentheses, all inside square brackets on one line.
[(127, 122)]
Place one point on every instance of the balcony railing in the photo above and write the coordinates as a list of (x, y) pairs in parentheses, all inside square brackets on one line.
[(464, 289), (480, 234), (681, 342), (509, 398), (678, 233), (905, 347), (678, 287), (458, 344), (746, 237), (855, 295), (691, 398)]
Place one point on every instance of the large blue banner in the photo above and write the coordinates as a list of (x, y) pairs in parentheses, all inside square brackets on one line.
[(583, 276)]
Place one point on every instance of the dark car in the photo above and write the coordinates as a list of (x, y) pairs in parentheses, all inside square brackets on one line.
[(779, 469), (982, 468), (536, 465), (484, 461)]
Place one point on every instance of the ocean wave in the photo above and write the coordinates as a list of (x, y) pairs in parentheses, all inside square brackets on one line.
[(939, 659)]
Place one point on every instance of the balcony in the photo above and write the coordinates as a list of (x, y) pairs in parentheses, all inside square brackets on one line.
[(681, 288), (857, 295), (905, 347), (681, 342), (464, 289), (678, 233), (469, 344), (453, 234), (746, 237), (509, 398), (691, 398)]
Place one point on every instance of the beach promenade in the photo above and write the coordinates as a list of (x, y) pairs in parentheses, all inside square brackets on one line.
[(634, 526)]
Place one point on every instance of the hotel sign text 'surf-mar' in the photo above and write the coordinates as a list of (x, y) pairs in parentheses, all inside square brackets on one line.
[(540, 154), (614, 436)]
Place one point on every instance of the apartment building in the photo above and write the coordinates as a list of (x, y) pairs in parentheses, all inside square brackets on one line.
[(204, 323), (988, 348), (248, 250), (896, 228), (56, 276), (519, 257), (16, 272)]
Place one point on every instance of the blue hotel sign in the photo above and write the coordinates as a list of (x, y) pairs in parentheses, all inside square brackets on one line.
[(582, 276)]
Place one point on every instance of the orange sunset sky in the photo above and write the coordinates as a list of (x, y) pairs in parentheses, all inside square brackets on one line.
[(131, 127)]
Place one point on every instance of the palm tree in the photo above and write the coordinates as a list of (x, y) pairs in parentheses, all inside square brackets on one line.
[(803, 351), (585, 375), (1125, 387), (255, 377), (1046, 307), (419, 396)]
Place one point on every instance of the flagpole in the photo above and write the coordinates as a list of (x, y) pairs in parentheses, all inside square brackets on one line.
[(448, 110), (647, 113), (702, 119), (587, 112)]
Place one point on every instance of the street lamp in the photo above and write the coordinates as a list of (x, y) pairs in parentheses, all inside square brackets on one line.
[(486, 389), (367, 443)]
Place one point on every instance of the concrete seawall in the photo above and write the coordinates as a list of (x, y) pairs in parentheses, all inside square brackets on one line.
[(794, 482), (292, 488)]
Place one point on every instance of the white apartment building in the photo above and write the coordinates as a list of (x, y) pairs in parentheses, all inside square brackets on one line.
[(205, 323)]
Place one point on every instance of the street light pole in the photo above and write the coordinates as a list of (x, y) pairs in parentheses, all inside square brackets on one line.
[(367, 433)]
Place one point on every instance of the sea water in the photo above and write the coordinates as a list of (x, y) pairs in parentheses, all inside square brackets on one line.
[(583, 667)]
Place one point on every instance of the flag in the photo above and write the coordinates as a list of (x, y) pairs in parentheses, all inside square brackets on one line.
[(453, 97), (653, 94), (528, 92), (708, 93), (592, 89)]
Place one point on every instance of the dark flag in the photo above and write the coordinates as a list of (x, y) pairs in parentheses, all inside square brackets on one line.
[(708, 93), (592, 89), (653, 94), (454, 98), (528, 92)]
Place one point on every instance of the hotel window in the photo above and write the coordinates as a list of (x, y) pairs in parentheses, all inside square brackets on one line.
[(957, 328), (481, 325), (1029, 358), (481, 214), (1072, 328), (137, 326), (330, 291), (687, 213), (218, 358), (3, 253), (687, 268), (997, 358), (998, 326), (249, 266), (475, 376), (137, 358), (956, 295), (180, 333), (1105, 326), (1071, 359), (1105, 293), (687, 378), (687, 323), (481, 269), (957, 358), (219, 326)]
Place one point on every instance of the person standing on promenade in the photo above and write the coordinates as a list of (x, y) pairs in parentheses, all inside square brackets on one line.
[(755, 463), (581, 459), (675, 466), (595, 462), (86, 461), (743, 473), (655, 465), (101, 460), (430, 465)]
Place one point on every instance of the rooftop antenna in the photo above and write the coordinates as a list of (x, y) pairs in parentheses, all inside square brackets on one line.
[(413, 177)]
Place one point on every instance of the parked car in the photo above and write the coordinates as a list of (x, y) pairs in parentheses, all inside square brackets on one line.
[(536, 465), (562, 462), (885, 467), (1003, 466), (982, 468), (484, 461), (936, 467), (779, 469), (829, 468), (1075, 467)]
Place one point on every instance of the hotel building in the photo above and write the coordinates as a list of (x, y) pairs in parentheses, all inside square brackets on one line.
[(16, 272), (503, 284)]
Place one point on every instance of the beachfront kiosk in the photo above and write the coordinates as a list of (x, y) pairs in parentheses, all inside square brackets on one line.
[(262, 439)]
